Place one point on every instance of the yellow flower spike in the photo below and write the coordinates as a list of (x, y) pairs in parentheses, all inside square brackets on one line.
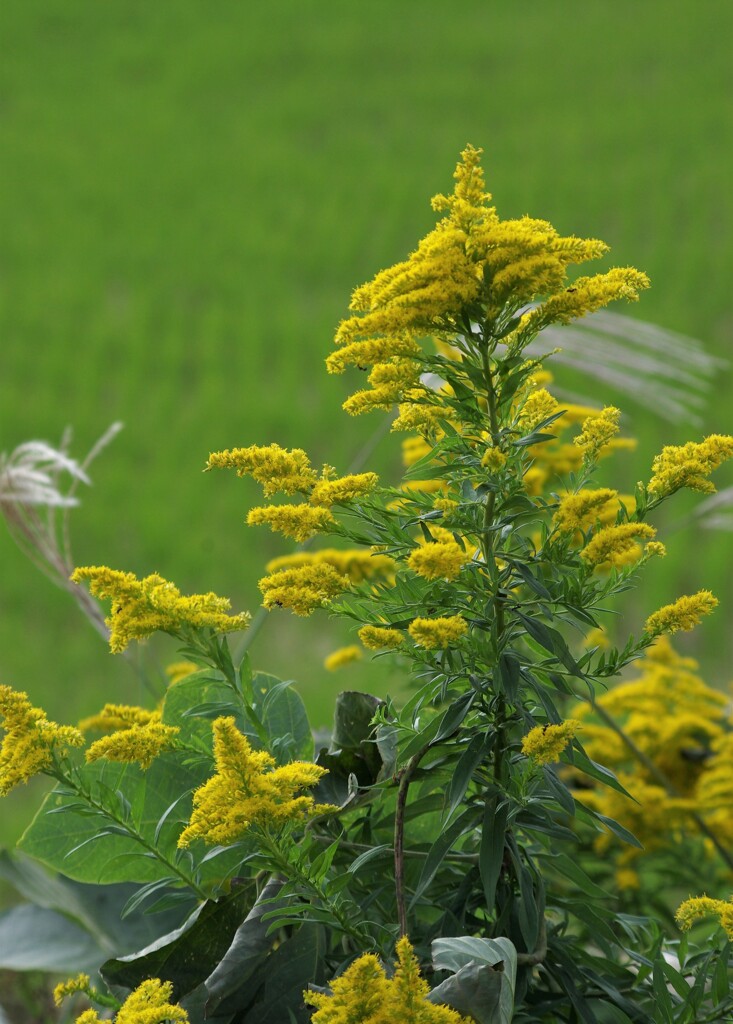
[(355, 563), (138, 744), (150, 1004), (539, 406), (598, 431), (81, 983), (378, 638), (438, 633), (276, 468), (545, 743), (118, 716), (142, 607), (689, 465), (372, 352), (613, 543), (438, 560), (704, 906), (304, 588), (580, 510), (343, 656), (301, 522), (247, 790), (683, 614), (343, 489), (493, 459), (30, 739)]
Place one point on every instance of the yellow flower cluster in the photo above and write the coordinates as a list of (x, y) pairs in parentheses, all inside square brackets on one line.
[(684, 613), (538, 406), (343, 656), (81, 983), (328, 492), (704, 906), (679, 724), (493, 459), (438, 633), (597, 431), (545, 743), (372, 352), (303, 589), (582, 509), (246, 790), (178, 670), (438, 560), (148, 1004), (118, 716), (30, 739), (378, 638), (617, 545), (141, 607), (276, 468), (301, 522), (355, 563), (133, 742), (364, 995), (689, 465), (389, 381)]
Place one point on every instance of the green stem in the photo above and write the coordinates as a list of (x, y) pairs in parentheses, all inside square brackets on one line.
[(405, 778)]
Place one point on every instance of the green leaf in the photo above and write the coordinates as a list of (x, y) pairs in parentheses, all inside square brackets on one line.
[(247, 950), (491, 851), (440, 848), (286, 974), (479, 990), (451, 954), (572, 870), (454, 715), (37, 939), (191, 703), (188, 955), (283, 715), (463, 772), (86, 847), (353, 719), (552, 641)]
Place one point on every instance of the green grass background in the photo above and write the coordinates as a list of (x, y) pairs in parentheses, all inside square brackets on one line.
[(191, 191)]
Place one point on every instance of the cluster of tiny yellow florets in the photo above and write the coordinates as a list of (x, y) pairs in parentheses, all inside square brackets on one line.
[(683, 614), (545, 743), (142, 607), (247, 790), (150, 1003), (597, 431), (704, 906), (364, 995), (438, 633), (343, 656), (689, 465), (355, 563), (135, 735), (378, 638), (581, 509), (438, 559), (303, 589), (617, 545), (30, 741)]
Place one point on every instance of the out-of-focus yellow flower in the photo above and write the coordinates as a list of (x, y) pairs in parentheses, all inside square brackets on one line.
[(611, 544), (302, 589), (684, 613), (438, 633), (178, 670), (356, 563), (343, 656), (142, 607), (118, 716), (30, 740), (545, 743), (363, 993), (246, 790), (689, 465)]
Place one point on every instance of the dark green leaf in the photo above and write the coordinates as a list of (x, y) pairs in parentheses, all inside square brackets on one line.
[(36, 939), (491, 852), (463, 772), (286, 974)]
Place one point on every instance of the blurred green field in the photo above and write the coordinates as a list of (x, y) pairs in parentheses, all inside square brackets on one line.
[(190, 192)]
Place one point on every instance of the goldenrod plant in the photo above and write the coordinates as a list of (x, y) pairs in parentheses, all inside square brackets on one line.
[(510, 841)]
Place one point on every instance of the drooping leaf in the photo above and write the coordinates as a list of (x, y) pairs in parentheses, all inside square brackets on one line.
[(285, 975), (478, 990), (37, 939)]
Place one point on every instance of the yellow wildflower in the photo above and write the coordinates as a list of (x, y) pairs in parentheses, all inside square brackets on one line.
[(276, 468), (81, 983), (597, 431), (422, 419), (586, 295), (580, 510), (355, 563), (414, 449), (150, 1004), (684, 613), (364, 995), (302, 589), (246, 790), (139, 744), (141, 607), (442, 560), (445, 505), (689, 465), (376, 638), (627, 879), (613, 543), (118, 716), (493, 459), (545, 743), (30, 739), (655, 548), (301, 522), (343, 656), (372, 351), (704, 906), (343, 489), (389, 382), (433, 634), (539, 406)]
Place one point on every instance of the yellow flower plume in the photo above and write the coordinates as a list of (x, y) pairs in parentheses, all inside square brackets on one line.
[(303, 588), (545, 743), (30, 740), (684, 613), (247, 790)]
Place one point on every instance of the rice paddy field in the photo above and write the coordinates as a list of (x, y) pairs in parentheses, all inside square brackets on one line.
[(190, 193)]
